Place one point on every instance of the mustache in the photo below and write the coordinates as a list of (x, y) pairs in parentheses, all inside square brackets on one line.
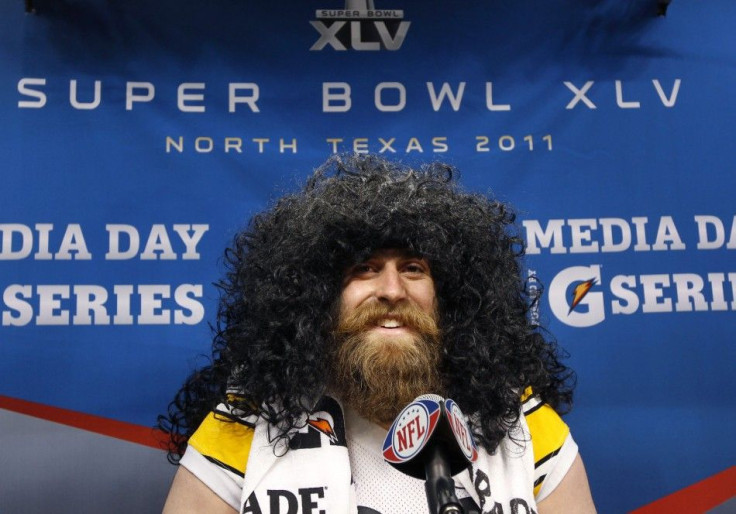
[(372, 314), (361, 361)]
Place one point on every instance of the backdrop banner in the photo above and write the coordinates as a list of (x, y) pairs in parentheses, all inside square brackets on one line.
[(139, 137)]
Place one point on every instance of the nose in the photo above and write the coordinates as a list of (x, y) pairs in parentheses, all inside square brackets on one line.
[(390, 286)]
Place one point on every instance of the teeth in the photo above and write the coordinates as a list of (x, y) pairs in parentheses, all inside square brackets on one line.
[(390, 323)]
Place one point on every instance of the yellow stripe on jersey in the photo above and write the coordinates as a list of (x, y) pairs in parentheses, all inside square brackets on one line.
[(548, 433), (223, 441), (527, 393)]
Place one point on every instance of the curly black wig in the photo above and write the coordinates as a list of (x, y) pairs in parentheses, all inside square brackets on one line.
[(285, 273)]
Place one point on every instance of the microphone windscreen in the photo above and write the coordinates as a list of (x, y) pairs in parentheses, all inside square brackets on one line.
[(429, 421)]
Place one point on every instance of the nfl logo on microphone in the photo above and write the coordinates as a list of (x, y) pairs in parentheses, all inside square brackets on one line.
[(411, 430)]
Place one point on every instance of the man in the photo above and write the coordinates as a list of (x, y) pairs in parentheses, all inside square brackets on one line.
[(342, 303)]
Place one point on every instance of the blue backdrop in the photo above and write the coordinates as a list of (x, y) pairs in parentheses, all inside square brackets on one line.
[(138, 137)]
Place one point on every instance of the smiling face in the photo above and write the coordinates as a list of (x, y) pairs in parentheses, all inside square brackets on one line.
[(391, 285), (388, 340)]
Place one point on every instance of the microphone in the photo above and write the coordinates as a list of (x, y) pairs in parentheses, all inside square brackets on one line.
[(431, 440)]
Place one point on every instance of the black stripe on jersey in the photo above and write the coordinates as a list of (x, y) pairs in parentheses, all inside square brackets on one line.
[(539, 480), (533, 409), (231, 417), (547, 457), (224, 466)]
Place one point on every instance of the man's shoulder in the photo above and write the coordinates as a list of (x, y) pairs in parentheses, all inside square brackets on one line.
[(551, 442), (225, 438), (546, 428)]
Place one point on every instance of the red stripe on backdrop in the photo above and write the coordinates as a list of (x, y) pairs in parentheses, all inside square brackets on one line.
[(697, 498), (138, 434)]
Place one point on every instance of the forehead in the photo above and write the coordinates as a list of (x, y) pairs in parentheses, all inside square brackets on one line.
[(385, 255), (394, 253)]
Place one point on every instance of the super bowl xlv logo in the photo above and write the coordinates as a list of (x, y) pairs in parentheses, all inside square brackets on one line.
[(360, 26)]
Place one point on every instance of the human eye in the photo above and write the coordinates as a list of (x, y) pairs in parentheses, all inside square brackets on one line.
[(416, 267), (361, 269)]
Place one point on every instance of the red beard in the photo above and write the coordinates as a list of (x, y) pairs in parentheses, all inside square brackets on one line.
[(378, 371)]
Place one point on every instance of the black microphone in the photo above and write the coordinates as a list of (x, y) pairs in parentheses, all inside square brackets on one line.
[(431, 440)]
